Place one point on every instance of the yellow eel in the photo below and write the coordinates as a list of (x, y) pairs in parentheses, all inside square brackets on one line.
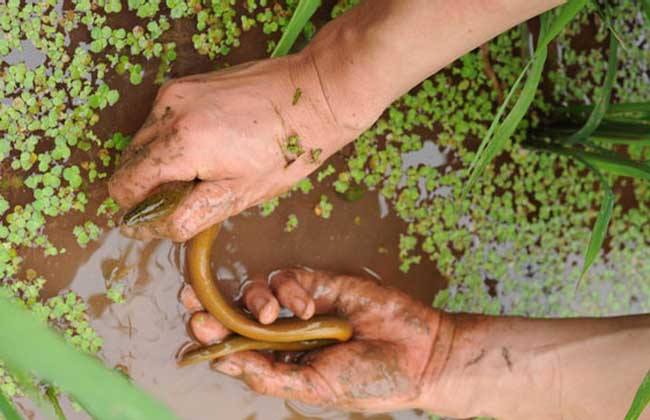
[(285, 334)]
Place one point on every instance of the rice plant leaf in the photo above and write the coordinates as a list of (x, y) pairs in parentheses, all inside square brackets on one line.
[(631, 110), (641, 399), (492, 144), (599, 231), (616, 164), (565, 14), (604, 160), (29, 345), (602, 103), (302, 14), (7, 409)]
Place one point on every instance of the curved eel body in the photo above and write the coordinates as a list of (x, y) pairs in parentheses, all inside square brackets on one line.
[(285, 334)]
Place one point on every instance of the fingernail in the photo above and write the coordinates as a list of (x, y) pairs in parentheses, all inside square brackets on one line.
[(200, 318), (299, 305), (258, 304), (227, 367)]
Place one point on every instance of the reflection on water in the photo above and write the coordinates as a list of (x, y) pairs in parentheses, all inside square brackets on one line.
[(27, 53)]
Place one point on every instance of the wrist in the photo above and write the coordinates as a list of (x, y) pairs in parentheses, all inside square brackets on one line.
[(341, 57), (489, 366)]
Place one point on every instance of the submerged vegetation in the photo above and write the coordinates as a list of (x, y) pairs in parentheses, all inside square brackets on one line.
[(511, 240)]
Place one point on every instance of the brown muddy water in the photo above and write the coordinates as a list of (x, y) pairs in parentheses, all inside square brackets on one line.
[(143, 335)]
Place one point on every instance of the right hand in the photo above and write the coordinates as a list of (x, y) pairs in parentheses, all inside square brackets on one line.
[(228, 129), (390, 363)]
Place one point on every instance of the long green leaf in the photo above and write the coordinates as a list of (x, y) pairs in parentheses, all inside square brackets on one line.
[(599, 231), (491, 146), (29, 345), (602, 103), (611, 162), (641, 399), (565, 14), (7, 409), (302, 14), (614, 110)]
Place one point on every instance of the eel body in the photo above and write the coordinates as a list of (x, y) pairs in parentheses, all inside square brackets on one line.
[(285, 334)]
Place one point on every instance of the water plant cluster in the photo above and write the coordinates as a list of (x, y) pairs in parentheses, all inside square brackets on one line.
[(513, 243)]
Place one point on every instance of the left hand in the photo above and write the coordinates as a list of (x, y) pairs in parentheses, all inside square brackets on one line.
[(385, 367)]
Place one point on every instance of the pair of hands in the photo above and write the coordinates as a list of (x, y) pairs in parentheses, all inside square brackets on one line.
[(227, 129)]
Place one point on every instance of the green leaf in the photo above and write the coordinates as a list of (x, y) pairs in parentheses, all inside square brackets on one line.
[(602, 103), (22, 340), (503, 131), (606, 161), (302, 14), (564, 16), (641, 399), (646, 8), (7, 409), (599, 231), (491, 146)]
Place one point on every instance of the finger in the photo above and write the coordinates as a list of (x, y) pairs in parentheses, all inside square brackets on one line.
[(189, 300), (259, 299), (292, 295), (208, 203), (282, 380), (157, 121), (207, 329), (162, 160), (335, 293)]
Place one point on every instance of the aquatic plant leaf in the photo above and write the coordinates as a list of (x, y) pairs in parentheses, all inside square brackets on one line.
[(22, 342), (7, 409), (641, 399), (491, 146), (602, 103), (302, 14)]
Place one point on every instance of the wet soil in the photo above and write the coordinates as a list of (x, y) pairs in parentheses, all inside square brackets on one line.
[(143, 335)]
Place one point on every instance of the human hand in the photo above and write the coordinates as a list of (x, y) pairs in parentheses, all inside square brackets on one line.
[(386, 366), (245, 133)]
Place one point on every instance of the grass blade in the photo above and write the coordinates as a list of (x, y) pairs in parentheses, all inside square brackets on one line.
[(599, 232), (602, 103), (492, 145), (53, 398), (302, 14), (641, 399), (632, 111), (7, 409), (29, 345), (564, 15), (612, 162)]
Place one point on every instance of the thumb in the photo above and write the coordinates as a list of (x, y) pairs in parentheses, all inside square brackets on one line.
[(208, 203), (282, 380)]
